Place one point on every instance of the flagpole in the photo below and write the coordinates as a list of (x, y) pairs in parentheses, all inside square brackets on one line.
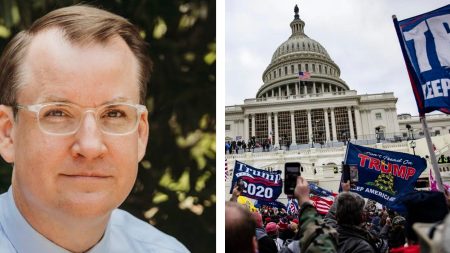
[(434, 164)]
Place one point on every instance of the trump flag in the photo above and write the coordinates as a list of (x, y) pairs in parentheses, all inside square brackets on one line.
[(425, 44), (257, 184), (383, 175)]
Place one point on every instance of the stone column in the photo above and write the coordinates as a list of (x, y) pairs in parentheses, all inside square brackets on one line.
[(358, 124), (350, 123), (323, 88), (273, 92), (296, 88), (277, 139), (269, 122), (293, 138), (279, 91), (333, 124), (305, 87), (327, 128), (310, 133), (389, 121), (246, 137), (314, 88), (287, 90), (253, 126)]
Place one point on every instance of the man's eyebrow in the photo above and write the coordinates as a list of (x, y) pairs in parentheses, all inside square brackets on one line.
[(54, 99), (64, 100)]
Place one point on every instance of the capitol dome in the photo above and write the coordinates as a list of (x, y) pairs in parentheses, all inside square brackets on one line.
[(300, 54)]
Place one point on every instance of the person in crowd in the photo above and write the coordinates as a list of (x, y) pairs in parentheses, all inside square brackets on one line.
[(265, 243), (354, 238), (442, 159), (394, 232), (244, 146), (347, 215), (233, 146), (285, 233), (227, 147), (240, 229), (74, 125), (238, 146), (272, 231)]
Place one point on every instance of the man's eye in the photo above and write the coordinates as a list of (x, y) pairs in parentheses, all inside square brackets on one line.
[(114, 114), (56, 113)]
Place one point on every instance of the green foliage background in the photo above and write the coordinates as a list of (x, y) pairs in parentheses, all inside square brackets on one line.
[(175, 189)]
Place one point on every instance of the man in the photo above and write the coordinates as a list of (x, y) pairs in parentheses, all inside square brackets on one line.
[(265, 243), (240, 229), (73, 125), (313, 234)]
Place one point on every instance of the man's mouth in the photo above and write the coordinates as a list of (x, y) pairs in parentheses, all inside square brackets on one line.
[(86, 175)]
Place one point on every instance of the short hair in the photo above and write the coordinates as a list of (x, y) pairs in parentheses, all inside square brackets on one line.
[(349, 209), (240, 229), (80, 24)]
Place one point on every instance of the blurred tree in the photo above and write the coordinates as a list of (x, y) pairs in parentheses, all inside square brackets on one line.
[(175, 189)]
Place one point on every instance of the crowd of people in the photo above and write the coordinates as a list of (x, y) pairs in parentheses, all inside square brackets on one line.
[(233, 147), (352, 224)]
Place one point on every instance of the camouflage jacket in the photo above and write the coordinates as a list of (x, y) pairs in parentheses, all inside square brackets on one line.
[(314, 235)]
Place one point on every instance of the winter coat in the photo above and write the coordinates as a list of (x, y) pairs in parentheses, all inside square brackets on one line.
[(265, 243), (353, 239)]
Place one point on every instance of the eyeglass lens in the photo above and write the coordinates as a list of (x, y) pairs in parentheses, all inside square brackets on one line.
[(63, 118)]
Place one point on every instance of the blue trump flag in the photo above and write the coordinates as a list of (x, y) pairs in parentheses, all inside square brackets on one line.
[(425, 44), (258, 184), (383, 175)]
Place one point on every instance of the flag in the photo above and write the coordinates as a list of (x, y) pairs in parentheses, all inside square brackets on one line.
[(258, 184), (322, 204), (226, 170), (292, 206), (322, 199), (424, 40), (277, 204), (304, 75), (383, 176), (316, 190), (433, 184)]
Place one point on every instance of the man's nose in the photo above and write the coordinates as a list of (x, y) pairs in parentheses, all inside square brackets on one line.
[(89, 138)]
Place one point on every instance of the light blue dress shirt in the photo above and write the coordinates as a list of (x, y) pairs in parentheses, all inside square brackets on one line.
[(124, 233)]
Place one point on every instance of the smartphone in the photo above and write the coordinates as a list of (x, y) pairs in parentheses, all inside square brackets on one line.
[(350, 173), (354, 174), (291, 172), (345, 173)]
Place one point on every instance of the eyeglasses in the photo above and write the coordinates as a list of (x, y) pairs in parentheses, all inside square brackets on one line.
[(60, 118)]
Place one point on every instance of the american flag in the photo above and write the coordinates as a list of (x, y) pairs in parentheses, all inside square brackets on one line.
[(322, 204), (322, 199), (226, 170), (316, 190), (304, 75)]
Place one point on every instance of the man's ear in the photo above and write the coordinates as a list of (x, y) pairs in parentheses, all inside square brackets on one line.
[(6, 133), (143, 131)]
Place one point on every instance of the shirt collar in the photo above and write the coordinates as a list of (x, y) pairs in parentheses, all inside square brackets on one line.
[(25, 238)]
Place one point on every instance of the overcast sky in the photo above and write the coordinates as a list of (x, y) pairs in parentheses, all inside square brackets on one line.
[(358, 34)]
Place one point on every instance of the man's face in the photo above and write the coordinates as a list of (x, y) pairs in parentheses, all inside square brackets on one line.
[(89, 173)]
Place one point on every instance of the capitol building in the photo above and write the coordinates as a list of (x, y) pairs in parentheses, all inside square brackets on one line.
[(309, 117)]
